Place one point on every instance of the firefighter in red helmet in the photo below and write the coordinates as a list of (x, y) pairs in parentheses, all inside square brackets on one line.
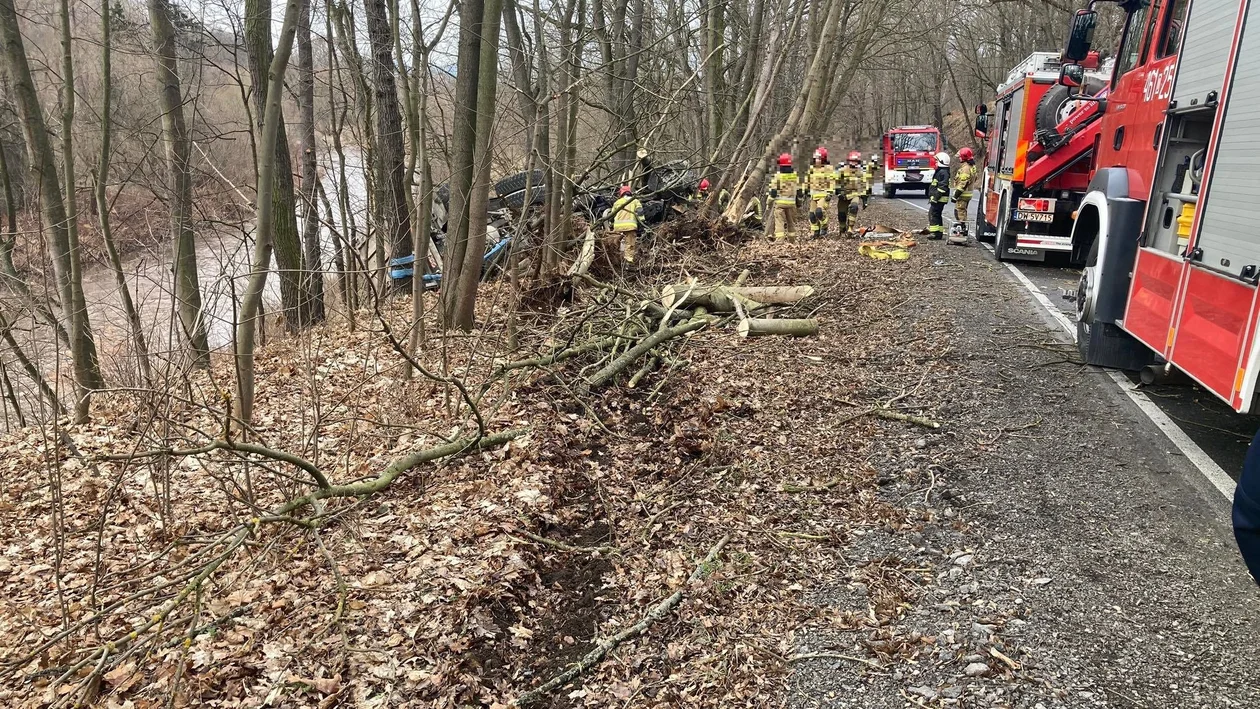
[(821, 179), (784, 188), (627, 214), (849, 185), (962, 183), (702, 191)]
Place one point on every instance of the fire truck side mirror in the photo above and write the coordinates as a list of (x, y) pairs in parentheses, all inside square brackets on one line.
[(1072, 75), (982, 125), (1080, 35)]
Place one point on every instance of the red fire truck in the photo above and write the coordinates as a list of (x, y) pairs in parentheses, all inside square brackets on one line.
[(910, 158), (1170, 224), (1037, 165)]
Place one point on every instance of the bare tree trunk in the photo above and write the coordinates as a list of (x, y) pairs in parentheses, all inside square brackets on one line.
[(487, 93), (390, 153), (268, 157), (43, 163), (313, 287), (102, 200), (463, 169), (284, 237), (9, 272), (175, 132), (807, 100)]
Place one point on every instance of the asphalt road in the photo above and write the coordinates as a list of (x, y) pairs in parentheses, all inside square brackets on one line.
[(1223, 434)]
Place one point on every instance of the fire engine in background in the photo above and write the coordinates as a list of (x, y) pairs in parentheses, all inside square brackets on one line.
[(910, 157), (1037, 166), (1170, 224)]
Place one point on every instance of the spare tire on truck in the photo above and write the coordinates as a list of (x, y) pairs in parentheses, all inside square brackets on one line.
[(1051, 109)]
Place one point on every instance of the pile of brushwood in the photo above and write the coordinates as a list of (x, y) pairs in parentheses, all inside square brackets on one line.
[(626, 509)]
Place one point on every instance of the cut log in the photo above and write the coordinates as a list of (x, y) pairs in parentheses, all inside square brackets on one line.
[(722, 299), (758, 327), (775, 295)]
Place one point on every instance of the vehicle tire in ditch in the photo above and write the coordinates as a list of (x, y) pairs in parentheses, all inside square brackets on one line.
[(516, 200), (516, 183), (1050, 109), (653, 211)]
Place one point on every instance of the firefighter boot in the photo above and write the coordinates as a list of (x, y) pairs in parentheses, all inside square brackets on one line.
[(851, 224), (813, 223)]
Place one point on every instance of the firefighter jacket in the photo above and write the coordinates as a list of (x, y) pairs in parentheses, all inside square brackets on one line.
[(821, 180), (963, 180), (938, 191), (783, 188), (626, 212), (850, 183)]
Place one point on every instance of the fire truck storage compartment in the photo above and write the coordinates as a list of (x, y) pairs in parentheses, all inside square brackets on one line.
[(1013, 115), (1204, 50), (1175, 189), (1229, 218)]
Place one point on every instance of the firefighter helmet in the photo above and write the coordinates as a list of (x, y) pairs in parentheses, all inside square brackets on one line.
[(942, 159), (855, 156), (623, 190), (966, 154), (821, 153), (704, 184), (785, 160)]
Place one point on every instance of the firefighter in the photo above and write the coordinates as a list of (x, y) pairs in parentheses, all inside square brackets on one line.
[(849, 192), (938, 196), (752, 214), (961, 185), (702, 191), (785, 186), (627, 214), (867, 175), (821, 179)]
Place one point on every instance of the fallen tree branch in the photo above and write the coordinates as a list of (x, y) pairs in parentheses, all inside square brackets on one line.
[(605, 375), (603, 647), (908, 418)]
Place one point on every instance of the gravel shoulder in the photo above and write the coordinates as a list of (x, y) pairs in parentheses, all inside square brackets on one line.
[(1076, 559)]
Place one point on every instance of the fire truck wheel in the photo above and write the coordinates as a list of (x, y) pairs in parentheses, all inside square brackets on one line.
[(1085, 287), (1000, 241), (1053, 108), (890, 191)]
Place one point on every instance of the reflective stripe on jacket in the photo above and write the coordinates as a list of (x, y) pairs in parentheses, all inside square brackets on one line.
[(822, 181), (939, 189), (785, 184), (851, 184), (626, 214)]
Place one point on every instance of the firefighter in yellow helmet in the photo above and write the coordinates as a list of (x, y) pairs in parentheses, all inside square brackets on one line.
[(785, 185), (821, 179), (627, 213), (961, 184), (849, 192)]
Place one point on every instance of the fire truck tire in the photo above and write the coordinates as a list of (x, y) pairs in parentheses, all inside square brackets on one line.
[(1003, 227), (890, 191), (984, 230), (1050, 108)]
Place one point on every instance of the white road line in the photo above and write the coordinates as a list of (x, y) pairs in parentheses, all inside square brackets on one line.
[(1191, 450)]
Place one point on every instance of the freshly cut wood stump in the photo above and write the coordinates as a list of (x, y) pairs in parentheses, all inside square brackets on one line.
[(760, 327)]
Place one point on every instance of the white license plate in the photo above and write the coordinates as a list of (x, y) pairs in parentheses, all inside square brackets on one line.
[(1034, 217)]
